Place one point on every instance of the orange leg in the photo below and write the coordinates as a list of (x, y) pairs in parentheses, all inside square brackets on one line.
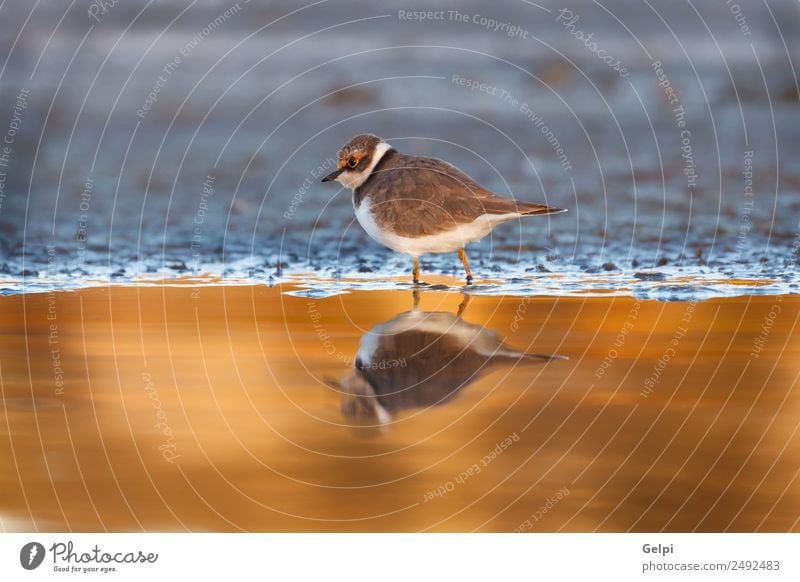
[(416, 270), (464, 261), (463, 306)]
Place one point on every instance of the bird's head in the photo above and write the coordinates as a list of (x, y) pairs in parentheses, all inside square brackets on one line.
[(357, 158), (359, 402)]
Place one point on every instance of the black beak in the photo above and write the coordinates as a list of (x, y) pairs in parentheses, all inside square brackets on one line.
[(332, 176)]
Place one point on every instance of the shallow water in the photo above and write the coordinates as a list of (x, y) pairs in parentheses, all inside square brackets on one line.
[(183, 304), (226, 408)]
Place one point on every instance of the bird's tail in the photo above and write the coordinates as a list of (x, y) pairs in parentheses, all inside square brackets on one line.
[(527, 357), (544, 357), (529, 209)]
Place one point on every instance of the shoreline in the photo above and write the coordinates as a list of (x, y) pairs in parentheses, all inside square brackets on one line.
[(657, 284)]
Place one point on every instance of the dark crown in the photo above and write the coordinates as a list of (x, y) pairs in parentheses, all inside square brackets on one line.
[(365, 142)]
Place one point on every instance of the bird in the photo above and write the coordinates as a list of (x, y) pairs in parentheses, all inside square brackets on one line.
[(417, 205), (420, 359)]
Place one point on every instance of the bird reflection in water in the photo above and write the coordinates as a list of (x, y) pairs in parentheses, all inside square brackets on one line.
[(420, 359)]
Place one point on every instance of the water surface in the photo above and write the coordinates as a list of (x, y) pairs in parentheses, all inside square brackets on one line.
[(222, 408)]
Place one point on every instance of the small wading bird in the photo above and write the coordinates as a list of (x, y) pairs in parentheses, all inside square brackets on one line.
[(417, 205)]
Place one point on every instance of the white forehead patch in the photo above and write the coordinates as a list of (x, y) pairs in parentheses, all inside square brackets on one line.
[(354, 178)]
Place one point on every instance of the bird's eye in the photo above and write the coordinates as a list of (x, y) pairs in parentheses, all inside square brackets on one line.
[(352, 163)]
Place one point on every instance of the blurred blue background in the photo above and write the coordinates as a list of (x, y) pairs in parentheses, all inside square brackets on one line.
[(183, 137)]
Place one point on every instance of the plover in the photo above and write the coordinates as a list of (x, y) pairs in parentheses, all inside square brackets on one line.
[(416, 205), (421, 359)]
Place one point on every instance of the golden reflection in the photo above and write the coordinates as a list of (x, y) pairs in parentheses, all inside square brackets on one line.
[(420, 359), (172, 408)]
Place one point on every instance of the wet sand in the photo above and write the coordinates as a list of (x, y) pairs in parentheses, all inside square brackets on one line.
[(217, 409)]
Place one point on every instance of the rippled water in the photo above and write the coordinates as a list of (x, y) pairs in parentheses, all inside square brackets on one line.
[(692, 278)]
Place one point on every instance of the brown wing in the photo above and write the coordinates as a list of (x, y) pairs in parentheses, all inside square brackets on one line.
[(422, 195)]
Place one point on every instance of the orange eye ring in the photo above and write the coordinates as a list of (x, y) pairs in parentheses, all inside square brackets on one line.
[(352, 163)]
